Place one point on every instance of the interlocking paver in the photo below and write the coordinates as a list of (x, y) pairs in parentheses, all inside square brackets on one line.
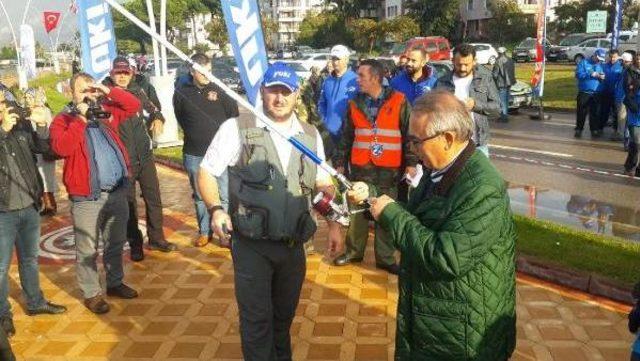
[(187, 308)]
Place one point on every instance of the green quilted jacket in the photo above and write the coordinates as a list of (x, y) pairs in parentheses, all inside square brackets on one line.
[(457, 278)]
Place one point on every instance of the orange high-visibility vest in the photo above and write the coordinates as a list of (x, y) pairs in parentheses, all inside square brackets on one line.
[(381, 145)]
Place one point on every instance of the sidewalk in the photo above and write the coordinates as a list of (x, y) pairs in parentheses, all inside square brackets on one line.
[(187, 310)]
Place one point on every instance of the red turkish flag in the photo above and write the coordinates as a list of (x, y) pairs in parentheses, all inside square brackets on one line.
[(51, 20)]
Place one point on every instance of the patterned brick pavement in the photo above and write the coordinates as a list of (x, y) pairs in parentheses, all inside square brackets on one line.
[(187, 311)]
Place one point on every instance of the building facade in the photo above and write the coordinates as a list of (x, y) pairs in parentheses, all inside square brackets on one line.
[(288, 14)]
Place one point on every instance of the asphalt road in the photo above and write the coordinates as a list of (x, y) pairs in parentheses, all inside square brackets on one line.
[(551, 172)]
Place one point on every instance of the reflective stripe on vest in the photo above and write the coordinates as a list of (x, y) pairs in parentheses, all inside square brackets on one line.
[(381, 146)]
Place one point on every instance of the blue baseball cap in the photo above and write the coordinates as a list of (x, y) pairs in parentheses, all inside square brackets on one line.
[(280, 74), (600, 54)]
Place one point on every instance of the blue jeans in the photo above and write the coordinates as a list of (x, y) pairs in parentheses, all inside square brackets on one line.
[(192, 165), (504, 102), (22, 228)]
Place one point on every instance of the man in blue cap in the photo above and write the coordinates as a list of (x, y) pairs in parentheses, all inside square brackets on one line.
[(270, 186), (590, 75)]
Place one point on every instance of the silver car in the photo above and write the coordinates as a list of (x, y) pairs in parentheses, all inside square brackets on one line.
[(586, 49)]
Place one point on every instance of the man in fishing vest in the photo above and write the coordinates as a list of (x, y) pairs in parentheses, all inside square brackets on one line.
[(270, 188), (374, 147)]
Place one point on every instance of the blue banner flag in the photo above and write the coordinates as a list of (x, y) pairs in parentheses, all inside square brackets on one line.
[(97, 37), (617, 24), (245, 34)]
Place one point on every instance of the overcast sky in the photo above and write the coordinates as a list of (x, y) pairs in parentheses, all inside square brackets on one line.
[(16, 9)]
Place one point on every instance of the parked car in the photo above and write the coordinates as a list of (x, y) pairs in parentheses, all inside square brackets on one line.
[(586, 48), (315, 59), (437, 47), (559, 52), (521, 93), (526, 50), (485, 53)]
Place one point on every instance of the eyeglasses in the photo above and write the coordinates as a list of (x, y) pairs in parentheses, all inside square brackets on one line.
[(415, 142)]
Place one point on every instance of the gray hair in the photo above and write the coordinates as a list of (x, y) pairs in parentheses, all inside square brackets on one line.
[(445, 113)]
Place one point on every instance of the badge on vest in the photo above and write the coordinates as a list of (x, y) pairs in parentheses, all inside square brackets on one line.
[(212, 96), (377, 149)]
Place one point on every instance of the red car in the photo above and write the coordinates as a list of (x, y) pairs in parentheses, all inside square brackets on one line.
[(437, 47)]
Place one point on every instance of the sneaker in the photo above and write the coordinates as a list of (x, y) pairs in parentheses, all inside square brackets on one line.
[(122, 291), (7, 325), (162, 246), (48, 309), (97, 305)]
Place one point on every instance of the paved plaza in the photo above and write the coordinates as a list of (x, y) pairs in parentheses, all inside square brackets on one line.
[(187, 310)]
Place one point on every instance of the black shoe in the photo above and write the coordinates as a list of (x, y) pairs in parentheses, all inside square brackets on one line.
[(162, 246), (344, 260), (97, 305), (7, 325), (48, 308), (578, 134), (122, 291), (394, 269), (596, 134), (135, 248)]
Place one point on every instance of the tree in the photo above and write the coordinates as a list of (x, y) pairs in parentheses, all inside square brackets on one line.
[(218, 33), (349, 9), (8, 52), (509, 24), (323, 30), (365, 32), (269, 30), (435, 17), (400, 28)]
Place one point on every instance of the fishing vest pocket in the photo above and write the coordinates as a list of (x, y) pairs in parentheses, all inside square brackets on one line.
[(305, 228), (251, 222)]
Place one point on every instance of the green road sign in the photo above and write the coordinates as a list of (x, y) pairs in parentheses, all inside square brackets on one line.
[(596, 21)]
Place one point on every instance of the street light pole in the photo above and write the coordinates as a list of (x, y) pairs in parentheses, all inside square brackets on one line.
[(15, 42)]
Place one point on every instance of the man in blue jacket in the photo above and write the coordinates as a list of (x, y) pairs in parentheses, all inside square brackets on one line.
[(590, 75), (418, 78), (339, 87), (612, 73)]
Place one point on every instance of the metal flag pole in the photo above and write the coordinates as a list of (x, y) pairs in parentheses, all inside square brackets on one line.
[(154, 42), (240, 100), (21, 79)]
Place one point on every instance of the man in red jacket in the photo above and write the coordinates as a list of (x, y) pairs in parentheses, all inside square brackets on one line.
[(95, 175)]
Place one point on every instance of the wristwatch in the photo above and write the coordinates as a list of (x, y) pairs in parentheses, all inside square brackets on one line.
[(215, 208)]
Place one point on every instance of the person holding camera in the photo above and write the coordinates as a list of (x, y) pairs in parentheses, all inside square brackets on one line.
[(46, 162), (20, 196), (135, 136), (96, 162)]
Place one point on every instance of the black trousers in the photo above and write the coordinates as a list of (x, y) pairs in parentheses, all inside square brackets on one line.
[(268, 280), (588, 103), (147, 177), (607, 107)]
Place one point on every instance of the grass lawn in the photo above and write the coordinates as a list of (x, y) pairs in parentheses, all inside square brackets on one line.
[(559, 87), (610, 257), (170, 153)]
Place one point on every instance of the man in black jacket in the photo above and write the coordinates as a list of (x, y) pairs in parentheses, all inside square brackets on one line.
[(504, 74), (200, 108), (135, 136), (20, 194)]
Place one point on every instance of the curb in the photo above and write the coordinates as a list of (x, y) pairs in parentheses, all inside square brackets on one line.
[(580, 281), (535, 268)]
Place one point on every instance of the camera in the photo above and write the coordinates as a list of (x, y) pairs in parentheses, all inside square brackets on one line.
[(21, 112), (94, 113)]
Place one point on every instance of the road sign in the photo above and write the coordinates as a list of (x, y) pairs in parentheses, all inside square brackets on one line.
[(596, 21)]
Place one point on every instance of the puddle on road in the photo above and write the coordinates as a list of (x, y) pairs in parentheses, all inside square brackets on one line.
[(577, 211)]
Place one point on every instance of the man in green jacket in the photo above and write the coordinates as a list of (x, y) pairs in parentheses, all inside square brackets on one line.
[(457, 239)]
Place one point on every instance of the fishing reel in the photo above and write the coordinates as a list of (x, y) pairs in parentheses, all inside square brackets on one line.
[(327, 206)]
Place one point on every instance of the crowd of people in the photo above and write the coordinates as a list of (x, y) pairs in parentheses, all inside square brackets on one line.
[(415, 145)]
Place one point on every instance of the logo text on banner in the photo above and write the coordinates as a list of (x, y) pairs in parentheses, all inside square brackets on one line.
[(97, 37), (242, 18)]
